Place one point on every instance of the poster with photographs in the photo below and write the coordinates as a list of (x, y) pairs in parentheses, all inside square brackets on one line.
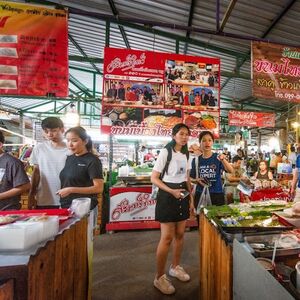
[(163, 88)]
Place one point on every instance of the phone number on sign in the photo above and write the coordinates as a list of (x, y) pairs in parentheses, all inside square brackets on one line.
[(290, 96)]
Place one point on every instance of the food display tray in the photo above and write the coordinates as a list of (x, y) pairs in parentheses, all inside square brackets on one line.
[(269, 239), (62, 213)]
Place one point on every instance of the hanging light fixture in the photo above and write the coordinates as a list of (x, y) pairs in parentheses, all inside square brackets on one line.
[(72, 117)]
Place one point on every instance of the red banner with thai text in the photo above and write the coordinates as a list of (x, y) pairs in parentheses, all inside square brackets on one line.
[(33, 50), (251, 119)]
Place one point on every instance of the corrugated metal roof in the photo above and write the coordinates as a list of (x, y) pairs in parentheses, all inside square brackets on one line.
[(248, 18)]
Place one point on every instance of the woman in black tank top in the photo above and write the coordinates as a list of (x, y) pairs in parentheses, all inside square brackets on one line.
[(263, 172)]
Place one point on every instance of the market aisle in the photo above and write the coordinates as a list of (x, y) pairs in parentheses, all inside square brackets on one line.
[(124, 267)]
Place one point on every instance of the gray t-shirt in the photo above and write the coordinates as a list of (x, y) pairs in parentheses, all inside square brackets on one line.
[(14, 175)]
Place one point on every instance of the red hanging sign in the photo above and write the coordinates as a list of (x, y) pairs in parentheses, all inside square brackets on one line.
[(251, 119), (33, 50)]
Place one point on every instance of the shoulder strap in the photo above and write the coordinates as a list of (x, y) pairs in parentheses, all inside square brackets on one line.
[(169, 157)]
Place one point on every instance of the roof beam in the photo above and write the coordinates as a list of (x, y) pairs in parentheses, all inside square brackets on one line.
[(190, 20), (155, 31), (81, 51), (279, 17), (227, 14), (80, 86), (35, 106), (121, 28)]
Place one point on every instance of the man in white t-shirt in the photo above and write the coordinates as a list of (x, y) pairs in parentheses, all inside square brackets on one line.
[(48, 159)]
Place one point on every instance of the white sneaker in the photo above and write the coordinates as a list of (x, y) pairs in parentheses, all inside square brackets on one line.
[(179, 273), (164, 284)]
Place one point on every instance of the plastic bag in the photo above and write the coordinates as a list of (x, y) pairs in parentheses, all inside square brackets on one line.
[(154, 192), (80, 206), (204, 200)]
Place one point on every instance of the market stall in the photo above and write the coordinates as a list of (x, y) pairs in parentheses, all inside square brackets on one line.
[(131, 205), (38, 270), (259, 227)]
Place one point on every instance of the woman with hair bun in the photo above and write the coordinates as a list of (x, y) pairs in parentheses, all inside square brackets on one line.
[(82, 174)]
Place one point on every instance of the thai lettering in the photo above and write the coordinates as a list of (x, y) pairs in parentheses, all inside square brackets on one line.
[(141, 129), (143, 200), (265, 66), (268, 83), (284, 84), (286, 52), (130, 62)]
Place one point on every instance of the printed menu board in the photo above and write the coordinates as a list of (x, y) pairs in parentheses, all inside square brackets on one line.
[(147, 93), (33, 50)]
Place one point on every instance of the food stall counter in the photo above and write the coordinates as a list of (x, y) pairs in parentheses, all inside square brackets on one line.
[(39, 272), (221, 226)]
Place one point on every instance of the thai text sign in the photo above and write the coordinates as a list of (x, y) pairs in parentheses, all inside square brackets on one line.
[(33, 50), (251, 119), (131, 206), (147, 93), (275, 72)]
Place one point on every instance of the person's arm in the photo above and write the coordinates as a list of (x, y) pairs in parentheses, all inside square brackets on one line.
[(255, 175), (227, 165), (232, 178), (294, 181), (190, 189), (270, 175), (35, 180), (96, 188), (18, 190)]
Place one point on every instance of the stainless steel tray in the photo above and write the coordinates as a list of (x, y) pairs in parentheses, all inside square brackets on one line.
[(138, 179), (269, 240)]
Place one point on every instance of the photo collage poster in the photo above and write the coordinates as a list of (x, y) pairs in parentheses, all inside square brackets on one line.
[(147, 93)]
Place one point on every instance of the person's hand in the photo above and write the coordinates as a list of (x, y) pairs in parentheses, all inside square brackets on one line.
[(221, 157), (64, 192), (192, 209), (203, 181), (293, 192), (177, 193)]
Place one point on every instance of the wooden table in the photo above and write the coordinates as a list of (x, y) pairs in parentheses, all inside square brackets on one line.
[(215, 263), (56, 269)]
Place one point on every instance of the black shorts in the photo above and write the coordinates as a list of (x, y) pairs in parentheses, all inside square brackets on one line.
[(170, 209)]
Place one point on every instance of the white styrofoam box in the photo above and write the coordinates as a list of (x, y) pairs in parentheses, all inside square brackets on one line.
[(49, 227), (19, 236)]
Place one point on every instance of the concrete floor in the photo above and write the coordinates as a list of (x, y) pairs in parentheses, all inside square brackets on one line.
[(124, 266)]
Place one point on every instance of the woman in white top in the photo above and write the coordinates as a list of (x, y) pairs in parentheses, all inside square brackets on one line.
[(173, 205)]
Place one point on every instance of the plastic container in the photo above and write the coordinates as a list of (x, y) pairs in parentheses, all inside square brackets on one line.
[(49, 226), (80, 206), (19, 236)]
